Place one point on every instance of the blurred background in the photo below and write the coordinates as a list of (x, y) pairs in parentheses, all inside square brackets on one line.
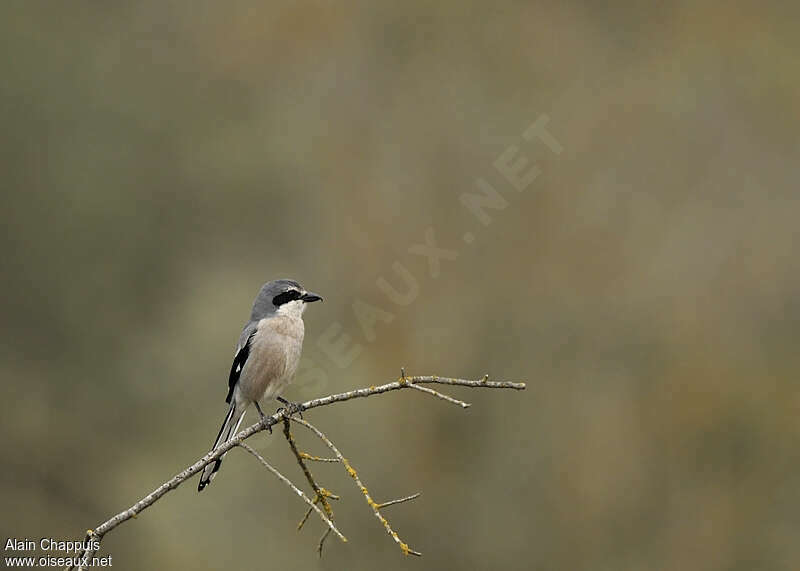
[(161, 160)]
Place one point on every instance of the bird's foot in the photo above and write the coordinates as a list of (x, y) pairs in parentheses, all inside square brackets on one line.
[(264, 418), (290, 407)]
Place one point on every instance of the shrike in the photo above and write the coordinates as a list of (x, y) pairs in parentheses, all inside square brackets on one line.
[(266, 356)]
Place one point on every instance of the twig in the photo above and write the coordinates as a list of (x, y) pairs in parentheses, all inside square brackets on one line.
[(102, 529), (295, 489), (305, 517), (400, 500), (353, 474), (322, 541), (320, 494), (307, 456), (437, 394)]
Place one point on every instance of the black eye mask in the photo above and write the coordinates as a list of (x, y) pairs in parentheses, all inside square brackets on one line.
[(285, 297)]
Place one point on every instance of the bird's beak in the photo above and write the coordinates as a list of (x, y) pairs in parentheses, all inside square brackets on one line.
[(310, 296)]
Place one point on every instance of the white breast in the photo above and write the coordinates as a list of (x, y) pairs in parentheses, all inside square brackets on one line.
[(274, 355)]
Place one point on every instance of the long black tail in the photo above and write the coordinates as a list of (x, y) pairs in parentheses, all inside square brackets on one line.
[(228, 429)]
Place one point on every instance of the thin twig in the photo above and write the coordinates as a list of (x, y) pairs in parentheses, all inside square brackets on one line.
[(353, 474), (320, 494), (307, 456), (400, 500), (322, 541), (102, 529), (308, 512), (437, 394), (305, 517), (294, 488)]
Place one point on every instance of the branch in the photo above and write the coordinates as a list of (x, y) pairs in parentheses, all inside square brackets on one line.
[(372, 503), (296, 490), (399, 500), (267, 422), (320, 494)]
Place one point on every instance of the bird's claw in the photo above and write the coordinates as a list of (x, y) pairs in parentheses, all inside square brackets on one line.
[(264, 418), (291, 408)]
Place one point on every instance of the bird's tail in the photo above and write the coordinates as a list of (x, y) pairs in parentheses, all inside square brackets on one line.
[(228, 429)]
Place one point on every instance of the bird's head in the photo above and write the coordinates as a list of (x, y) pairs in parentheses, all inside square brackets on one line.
[(282, 297)]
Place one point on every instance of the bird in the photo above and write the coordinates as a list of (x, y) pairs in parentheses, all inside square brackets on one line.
[(266, 357)]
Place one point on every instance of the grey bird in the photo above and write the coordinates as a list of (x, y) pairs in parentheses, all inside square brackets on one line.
[(266, 357)]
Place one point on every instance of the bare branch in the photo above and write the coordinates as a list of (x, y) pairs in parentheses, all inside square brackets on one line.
[(400, 501), (320, 494), (294, 488), (404, 382), (322, 541), (353, 474), (437, 394), (306, 456), (305, 517)]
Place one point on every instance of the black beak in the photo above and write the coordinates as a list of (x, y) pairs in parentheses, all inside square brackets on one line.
[(310, 296)]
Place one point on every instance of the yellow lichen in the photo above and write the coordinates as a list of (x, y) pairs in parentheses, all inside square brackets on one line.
[(404, 547)]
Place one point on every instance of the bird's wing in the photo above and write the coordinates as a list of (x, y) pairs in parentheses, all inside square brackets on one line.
[(239, 360)]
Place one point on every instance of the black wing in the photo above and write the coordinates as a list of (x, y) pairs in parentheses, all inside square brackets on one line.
[(238, 365)]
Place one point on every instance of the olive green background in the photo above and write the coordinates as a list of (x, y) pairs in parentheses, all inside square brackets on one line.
[(161, 160)]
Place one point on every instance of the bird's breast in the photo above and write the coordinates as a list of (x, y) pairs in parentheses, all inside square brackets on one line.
[(273, 358), (285, 325)]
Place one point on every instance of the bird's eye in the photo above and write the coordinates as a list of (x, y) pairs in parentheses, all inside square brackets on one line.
[(285, 297)]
